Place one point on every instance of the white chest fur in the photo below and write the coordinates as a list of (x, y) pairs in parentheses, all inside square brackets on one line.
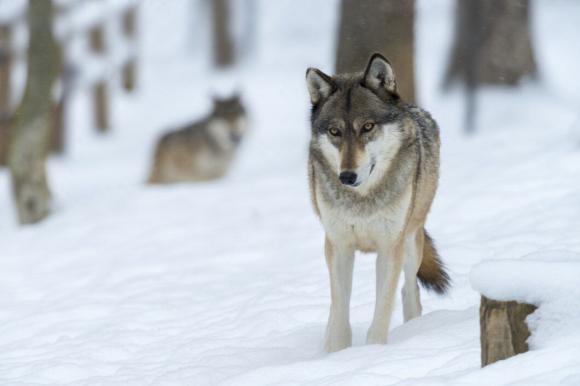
[(365, 232)]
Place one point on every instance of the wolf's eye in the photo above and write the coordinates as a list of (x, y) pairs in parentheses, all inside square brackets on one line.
[(334, 131), (368, 127)]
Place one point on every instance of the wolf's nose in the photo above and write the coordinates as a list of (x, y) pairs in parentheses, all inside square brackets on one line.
[(347, 178)]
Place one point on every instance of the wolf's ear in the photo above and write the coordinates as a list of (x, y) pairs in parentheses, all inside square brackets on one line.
[(319, 84), (379, 74)]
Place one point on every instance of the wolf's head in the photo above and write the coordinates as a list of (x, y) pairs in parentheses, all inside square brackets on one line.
[(357, 121), (231, 114)]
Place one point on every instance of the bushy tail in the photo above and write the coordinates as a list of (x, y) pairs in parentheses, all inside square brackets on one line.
[(432, 274)]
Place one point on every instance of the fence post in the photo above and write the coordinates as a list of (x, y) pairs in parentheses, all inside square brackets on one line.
[(100, 92), (130, 33)]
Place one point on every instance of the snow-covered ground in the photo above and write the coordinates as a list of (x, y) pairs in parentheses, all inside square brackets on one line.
[(225, 283)]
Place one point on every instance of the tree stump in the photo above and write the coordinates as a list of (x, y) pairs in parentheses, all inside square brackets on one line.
[(504, 331)]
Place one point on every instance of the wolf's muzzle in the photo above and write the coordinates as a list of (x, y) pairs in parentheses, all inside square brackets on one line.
[(348, 178)]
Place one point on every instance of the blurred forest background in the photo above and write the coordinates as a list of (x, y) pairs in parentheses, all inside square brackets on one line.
[(49, 49), (107, 279)]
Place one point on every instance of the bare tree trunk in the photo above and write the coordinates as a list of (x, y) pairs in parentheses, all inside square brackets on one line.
[(504, 331), (384, 26), (30, 135), (59, 105), (493, 44), (223, 45), (6, 61)]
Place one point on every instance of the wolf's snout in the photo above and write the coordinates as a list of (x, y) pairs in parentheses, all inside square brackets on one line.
[(348, 178)]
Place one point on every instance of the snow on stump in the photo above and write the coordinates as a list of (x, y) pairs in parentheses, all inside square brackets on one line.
[(528, 301), (503, 329)]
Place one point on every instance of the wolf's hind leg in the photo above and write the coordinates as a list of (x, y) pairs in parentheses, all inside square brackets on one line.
[(410, 292), (340, 261), (388, 270)]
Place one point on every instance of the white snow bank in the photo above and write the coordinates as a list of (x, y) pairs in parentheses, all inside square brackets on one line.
[(538, 278), (547, 279)]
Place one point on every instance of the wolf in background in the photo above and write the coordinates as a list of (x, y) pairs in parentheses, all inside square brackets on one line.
[(373, 172), (203, 150)]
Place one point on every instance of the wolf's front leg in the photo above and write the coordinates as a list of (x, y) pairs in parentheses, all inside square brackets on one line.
[(388, 270), (340, 261)]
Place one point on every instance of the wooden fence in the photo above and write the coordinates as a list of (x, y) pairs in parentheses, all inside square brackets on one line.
[(91, 51)]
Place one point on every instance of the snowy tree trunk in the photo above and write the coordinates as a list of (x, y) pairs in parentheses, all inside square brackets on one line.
[(30, 135), (493, 44), (384, 26), (223, 45), (503, 329)]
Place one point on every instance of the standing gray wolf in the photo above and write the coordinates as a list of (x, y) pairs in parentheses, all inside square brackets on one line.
[(373, 170), (203, 150)]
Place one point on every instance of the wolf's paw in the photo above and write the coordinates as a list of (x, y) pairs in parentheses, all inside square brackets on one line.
[(377, 335), (337, 338)]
